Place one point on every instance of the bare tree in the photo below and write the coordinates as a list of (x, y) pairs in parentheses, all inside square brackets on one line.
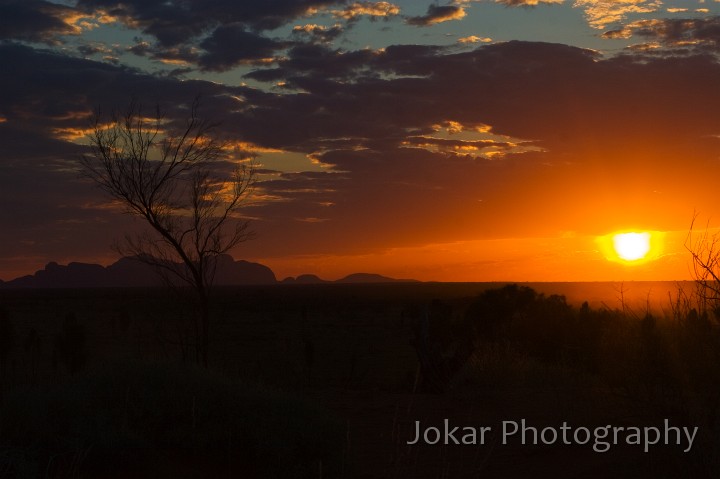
[(164, 175), (705, 251)]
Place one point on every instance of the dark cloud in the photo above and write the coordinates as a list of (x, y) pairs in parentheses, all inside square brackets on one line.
[(226, 31), (214, 35), (309, 66), (319, 61), (185, 56), (438, 14), (530, 91), (230, 45), (66, 90), (172, 23), (696, 33), (225, 48), (175, 22), (34, 21)]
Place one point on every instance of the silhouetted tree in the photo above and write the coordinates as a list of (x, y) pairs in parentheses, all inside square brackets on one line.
[(705, 251), (493, 310), (546, 327), (164, 175)]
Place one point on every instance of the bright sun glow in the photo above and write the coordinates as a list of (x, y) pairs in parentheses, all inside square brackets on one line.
[(631, 246)]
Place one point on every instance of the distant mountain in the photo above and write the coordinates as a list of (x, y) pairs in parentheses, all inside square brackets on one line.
[(232, 273), (129, 272), (372, 278), (352, 278), (305, 279), (74, 275)]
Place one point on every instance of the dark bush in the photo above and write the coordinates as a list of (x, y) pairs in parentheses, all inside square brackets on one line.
[(493, 310), (545, 327)]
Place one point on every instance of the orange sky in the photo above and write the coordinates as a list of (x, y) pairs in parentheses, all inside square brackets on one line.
[(564, 258)]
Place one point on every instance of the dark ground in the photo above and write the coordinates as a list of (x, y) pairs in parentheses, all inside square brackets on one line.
[(350, 349)]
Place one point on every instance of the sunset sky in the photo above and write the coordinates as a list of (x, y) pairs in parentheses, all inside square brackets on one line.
[(471, 140)]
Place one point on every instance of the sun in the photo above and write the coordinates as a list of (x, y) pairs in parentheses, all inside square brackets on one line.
[(631, 246)]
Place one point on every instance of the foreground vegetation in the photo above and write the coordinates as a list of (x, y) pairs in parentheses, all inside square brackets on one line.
[(327, 381), (137, 419)]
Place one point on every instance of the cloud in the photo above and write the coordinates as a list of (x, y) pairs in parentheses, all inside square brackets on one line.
[(320, 61), (175, 22), (696, 33), (438, 14), (374, 10), (474, 148), (67, 90), (140, 48), (225, 48), (527, 3), (230, 45), (182, 56), (220, 35), (36, 21), (90, 49), (598, 13), (474, 39), (319, 33), (601, 13)]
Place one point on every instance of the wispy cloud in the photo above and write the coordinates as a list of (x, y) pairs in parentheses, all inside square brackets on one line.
[(319, 33), (693, 33), (527, 3), (474, 39), (601, 13), (370, 9), (438, 14)]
